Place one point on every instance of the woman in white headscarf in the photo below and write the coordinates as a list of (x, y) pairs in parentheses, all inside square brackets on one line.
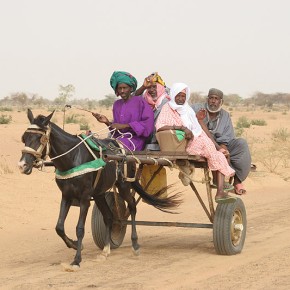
[(178, 115)]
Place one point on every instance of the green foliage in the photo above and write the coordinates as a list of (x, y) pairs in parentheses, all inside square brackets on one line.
[(65, 93), (197, 97), (258, 122), (6, 109), (108, 101), (84, 125), (5, 119), (281, 134), (239, 132), (232, 99), (243, 122), (72, 119)]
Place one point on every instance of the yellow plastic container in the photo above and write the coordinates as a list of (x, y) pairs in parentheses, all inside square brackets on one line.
[(159, 182)]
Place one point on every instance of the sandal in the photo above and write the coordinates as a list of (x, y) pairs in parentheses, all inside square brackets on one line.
[(225, 199), (239, 189)]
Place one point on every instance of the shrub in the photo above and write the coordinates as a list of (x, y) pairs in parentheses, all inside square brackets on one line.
[(4, 119), (258, 122), (84, 125), (243, 122), (72, 119), (281, 134), (5, 109), (239, 132)]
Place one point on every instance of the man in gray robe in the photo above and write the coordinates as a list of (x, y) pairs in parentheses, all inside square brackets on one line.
[(221, 131)]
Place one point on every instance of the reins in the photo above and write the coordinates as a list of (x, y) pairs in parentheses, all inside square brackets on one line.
[(44, 143)]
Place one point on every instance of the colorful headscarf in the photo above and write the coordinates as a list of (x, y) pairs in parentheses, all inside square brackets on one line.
[(186, 113), (161, 94), (122, 77)]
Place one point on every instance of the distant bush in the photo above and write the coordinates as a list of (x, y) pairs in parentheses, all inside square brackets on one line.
[(72, 119), (239, 132), (84, 125), (6, 109), (4, 119), (243, 122), (281, 134), (258, 122)]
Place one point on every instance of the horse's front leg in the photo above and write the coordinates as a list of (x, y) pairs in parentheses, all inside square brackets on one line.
[(80, 230), (64, 209)]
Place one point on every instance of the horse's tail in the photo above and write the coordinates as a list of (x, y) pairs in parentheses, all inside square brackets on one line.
[(162, 203)]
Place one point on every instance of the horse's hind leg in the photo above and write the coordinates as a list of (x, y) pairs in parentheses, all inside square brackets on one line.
[(108, 220), (126, 194), (64, 209)]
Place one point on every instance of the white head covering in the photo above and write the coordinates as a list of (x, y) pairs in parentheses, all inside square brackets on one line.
[(186, 113)]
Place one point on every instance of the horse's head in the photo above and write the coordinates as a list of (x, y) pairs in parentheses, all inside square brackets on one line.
[(36, 141)]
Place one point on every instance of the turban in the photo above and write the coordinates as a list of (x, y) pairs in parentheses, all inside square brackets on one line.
[(121, 77), (215, 92)]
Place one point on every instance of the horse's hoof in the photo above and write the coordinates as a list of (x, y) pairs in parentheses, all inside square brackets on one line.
[(70, 268), (101, 258), (136, 251)]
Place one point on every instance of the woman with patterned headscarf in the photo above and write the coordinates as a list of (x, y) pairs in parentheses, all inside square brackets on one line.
[(153, 90), (177, 115), (133, 119)]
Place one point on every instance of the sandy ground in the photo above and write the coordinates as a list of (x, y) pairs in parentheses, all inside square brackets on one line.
[(170, 258)]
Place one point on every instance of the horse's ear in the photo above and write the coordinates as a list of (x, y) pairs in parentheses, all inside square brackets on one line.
[(30, 116), (47, 119)]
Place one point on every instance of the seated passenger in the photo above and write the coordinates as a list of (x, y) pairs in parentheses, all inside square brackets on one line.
[(178, 115), (133, 119), (220, 130), (153, 90)]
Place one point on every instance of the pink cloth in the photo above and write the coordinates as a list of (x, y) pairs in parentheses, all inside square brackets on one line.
[(201, 145), (161, 94)]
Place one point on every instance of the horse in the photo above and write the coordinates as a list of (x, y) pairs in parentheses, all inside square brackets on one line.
[(44, 138)]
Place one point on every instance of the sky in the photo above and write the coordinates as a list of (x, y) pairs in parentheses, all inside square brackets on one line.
[(238, 46)]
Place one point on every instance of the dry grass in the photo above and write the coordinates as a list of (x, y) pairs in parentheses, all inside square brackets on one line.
[(5, 168)]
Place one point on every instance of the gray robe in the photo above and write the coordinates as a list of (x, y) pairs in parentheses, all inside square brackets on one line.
[(223, 132)]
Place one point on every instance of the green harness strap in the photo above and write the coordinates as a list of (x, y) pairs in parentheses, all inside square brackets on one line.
[(91, 143), (90, 166)]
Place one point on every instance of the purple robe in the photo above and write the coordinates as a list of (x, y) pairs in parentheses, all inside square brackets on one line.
[(139, 115)]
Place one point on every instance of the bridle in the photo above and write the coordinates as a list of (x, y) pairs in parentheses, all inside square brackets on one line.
[(44, 143)]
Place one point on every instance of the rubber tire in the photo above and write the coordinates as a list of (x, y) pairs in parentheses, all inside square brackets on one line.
[(227, 240), (99, 228)]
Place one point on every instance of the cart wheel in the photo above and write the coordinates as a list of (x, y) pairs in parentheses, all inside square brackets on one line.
[(118, 229), (229, 228)]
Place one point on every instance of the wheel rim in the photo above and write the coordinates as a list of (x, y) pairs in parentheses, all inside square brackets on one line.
[(237, 227)]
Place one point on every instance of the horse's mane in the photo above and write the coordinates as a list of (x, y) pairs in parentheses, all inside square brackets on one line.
[(39, 121)]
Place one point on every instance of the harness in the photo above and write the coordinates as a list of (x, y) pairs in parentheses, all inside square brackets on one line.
[(44, 142), (96, 165)]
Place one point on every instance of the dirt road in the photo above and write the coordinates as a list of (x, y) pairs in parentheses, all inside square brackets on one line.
[(171, 258)]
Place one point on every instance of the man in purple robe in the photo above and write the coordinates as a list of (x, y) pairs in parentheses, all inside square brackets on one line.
[(133, 118)]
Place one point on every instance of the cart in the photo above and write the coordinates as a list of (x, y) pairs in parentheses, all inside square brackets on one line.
[(228, 220)]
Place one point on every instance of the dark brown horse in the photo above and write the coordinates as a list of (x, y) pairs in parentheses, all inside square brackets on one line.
[(44, 138)]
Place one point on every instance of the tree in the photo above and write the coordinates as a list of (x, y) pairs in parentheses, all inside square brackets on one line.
[(65, 93), (108, 101)]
